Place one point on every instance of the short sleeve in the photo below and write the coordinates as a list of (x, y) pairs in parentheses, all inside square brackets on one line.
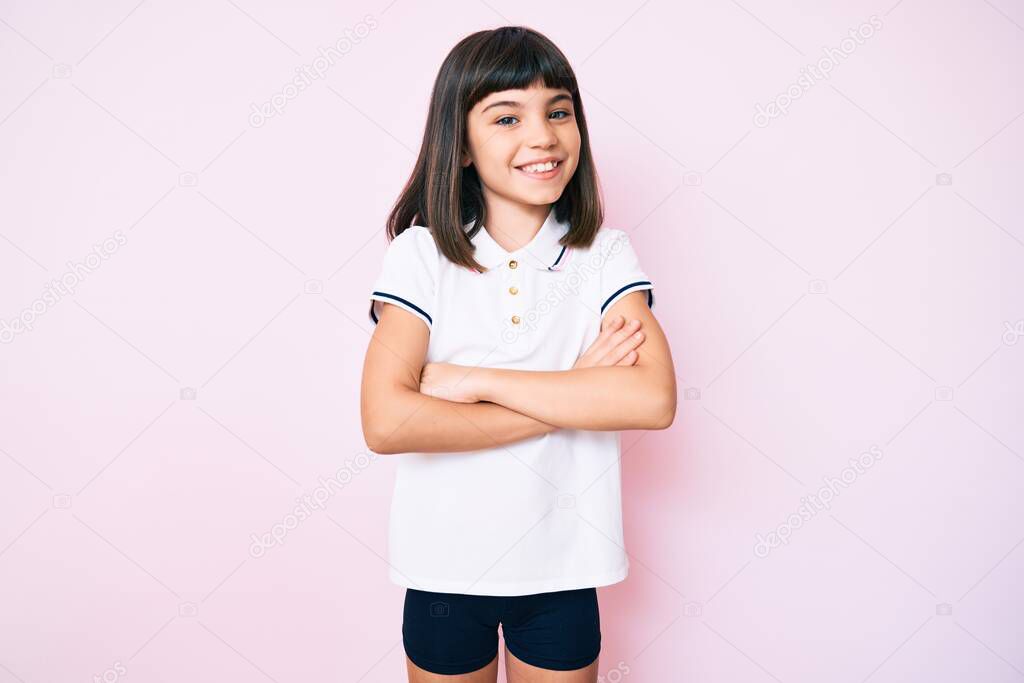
[(407, 276), (621, 273)]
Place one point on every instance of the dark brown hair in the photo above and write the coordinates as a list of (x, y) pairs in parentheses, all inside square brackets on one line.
[(443, 195)]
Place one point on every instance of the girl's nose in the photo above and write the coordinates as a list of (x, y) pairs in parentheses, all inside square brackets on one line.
[(543, 137), (541, 134)]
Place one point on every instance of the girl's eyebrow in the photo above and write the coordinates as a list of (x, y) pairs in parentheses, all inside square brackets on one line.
[(511, 103)]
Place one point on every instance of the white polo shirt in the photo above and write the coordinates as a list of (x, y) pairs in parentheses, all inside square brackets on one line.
[(541, 514)]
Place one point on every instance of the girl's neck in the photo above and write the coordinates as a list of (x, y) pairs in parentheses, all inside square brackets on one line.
[(513, 224)]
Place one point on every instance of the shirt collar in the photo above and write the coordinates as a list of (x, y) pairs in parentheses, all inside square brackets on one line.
[(542, 252)]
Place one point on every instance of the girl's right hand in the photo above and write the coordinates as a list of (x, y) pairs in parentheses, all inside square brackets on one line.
[(616, 345)]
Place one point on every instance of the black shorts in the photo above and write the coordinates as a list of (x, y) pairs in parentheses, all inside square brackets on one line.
[(454, 633)]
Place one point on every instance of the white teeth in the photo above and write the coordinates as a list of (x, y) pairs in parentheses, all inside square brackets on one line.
[(540, 168)]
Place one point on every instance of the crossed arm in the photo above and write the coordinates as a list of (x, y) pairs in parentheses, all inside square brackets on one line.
[(409, 407)]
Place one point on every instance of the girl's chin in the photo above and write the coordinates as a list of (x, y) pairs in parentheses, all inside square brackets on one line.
[(538, 196)]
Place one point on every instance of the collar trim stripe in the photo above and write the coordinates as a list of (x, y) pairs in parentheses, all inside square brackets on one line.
[(552, 266)]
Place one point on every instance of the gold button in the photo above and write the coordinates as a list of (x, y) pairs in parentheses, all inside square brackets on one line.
[(513, 290), (515, 320), (512, 263)]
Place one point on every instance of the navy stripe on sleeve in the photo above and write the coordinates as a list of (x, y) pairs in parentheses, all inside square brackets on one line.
[(631, 285), (401, 301)]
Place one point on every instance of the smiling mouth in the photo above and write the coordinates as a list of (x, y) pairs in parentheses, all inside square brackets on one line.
[(541, 171)]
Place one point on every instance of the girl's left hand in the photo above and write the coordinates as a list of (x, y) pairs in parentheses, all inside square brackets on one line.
[(450, 382)]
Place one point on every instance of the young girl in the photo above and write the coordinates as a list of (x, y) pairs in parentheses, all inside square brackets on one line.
[(507, 354)]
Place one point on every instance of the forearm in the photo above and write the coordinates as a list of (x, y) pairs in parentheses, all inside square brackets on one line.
[(411, 422), (595, 398)]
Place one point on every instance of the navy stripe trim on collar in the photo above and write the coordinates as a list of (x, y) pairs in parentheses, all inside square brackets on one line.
[(401, 300), (620, 290), (552, 266)]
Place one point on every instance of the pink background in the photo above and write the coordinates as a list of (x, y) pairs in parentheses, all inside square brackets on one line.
[(824, 287)]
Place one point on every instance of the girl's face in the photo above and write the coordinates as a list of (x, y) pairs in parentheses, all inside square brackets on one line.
[(510, 131)]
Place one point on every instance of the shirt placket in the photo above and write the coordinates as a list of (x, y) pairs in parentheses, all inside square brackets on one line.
[(513, 311)]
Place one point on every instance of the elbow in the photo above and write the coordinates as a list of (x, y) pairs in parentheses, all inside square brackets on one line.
[(371, 436), (653, 403), (663, 409), (375, 444), (378, 436), (384, 416), (380, 445)]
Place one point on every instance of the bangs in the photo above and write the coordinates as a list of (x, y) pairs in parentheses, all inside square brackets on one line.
[(516, 61)]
